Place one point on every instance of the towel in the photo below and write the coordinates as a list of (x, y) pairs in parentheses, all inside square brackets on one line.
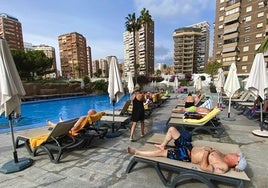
[(207, 104), (209, 116), (89, 119), (38, 140)]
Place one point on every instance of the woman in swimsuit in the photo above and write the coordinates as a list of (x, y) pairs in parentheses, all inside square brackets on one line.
[(138, 113)]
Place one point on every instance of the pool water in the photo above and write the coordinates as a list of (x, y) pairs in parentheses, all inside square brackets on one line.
[(35, 114)]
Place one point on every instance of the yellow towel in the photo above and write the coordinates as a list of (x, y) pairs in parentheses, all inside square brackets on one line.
[(38, 140), (209, 116), (89, 119)]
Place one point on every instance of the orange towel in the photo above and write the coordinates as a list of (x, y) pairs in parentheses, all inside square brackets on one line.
[(38, 140), (89, 119)]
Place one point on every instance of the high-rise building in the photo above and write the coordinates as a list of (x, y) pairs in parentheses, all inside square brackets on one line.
[(204, 46), (73, 55), (187, 50), (240, 28), (49, 51), (89, 61), (11, 31), (144, 43)]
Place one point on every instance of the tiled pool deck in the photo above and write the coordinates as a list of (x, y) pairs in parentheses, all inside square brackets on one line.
[(104, 163)]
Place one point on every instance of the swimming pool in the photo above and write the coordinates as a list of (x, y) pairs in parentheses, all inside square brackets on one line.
[(35, 113)]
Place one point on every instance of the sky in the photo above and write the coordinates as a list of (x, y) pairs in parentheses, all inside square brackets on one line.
[(102, 22)]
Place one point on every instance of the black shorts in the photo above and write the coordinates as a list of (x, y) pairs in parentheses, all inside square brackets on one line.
[(182, 152)]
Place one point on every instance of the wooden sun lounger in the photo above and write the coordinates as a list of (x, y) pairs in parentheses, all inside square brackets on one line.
[(52, 142), (215, 129), (187, 170)]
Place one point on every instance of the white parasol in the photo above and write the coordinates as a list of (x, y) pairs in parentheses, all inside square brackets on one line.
[(115, 88), (176, 84), (219, 83), (198, 83), (11, 91), (257, 84), (130, 84), (231, 86)]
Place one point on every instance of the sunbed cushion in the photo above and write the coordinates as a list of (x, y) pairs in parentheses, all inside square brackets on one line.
[(209, 116)]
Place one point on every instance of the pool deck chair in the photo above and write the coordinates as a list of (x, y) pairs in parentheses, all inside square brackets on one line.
[(120, 121), (52, 142), (207, 123), (121, 112), (178, 171)]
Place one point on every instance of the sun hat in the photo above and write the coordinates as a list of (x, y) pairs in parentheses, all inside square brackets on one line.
[(242, 164)]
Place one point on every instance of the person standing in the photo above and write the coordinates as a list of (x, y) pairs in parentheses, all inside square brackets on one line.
[(138, 113)]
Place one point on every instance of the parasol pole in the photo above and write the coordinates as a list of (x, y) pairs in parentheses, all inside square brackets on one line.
[(15, 155)]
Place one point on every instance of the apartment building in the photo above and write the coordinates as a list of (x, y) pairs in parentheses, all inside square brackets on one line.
[(144, 43), (187, 50), (49, 51), (240, 27), (11, 31), (89, 61), (73, 55)]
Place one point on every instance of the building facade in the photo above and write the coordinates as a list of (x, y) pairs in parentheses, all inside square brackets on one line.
[(144, 43), (73, 55), (204, 46), (89, 61), (240, 28), (11, 31), (187, 50), (49, 51)]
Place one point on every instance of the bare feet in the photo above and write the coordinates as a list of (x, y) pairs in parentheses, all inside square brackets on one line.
[(60, 119), (159, 146), (131, 150)]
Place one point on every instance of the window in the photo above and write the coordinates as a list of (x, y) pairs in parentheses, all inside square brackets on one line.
[(248, 9), (246, 39), (221, 1), (259, 25), (259, 35), (244, 67), (248, 18), (257, 46), (222, 9), (235, 10), (221, 18), (245, 48), (261, 4), (220, 26), (261, 14), (245, 58), (247, 29)]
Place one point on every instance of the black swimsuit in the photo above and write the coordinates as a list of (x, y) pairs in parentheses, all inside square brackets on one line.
[(188, 104), (137, 111)]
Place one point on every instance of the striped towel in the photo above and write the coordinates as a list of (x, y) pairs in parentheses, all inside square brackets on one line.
[(207, 104)]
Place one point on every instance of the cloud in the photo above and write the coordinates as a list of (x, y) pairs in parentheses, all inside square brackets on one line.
[(174, 9)]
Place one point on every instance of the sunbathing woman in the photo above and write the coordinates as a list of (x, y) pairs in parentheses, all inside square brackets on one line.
[(189, 101), (209, 159)]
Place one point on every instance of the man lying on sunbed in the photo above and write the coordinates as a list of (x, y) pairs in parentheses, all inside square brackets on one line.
[(209, 159)]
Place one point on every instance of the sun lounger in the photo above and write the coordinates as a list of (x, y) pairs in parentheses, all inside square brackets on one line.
[(180, 171), (52, 142), (121, 112), (207, 123), (120, 121)]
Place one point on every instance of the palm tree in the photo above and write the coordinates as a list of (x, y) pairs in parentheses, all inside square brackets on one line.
[(133, 24), (264, 45)]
